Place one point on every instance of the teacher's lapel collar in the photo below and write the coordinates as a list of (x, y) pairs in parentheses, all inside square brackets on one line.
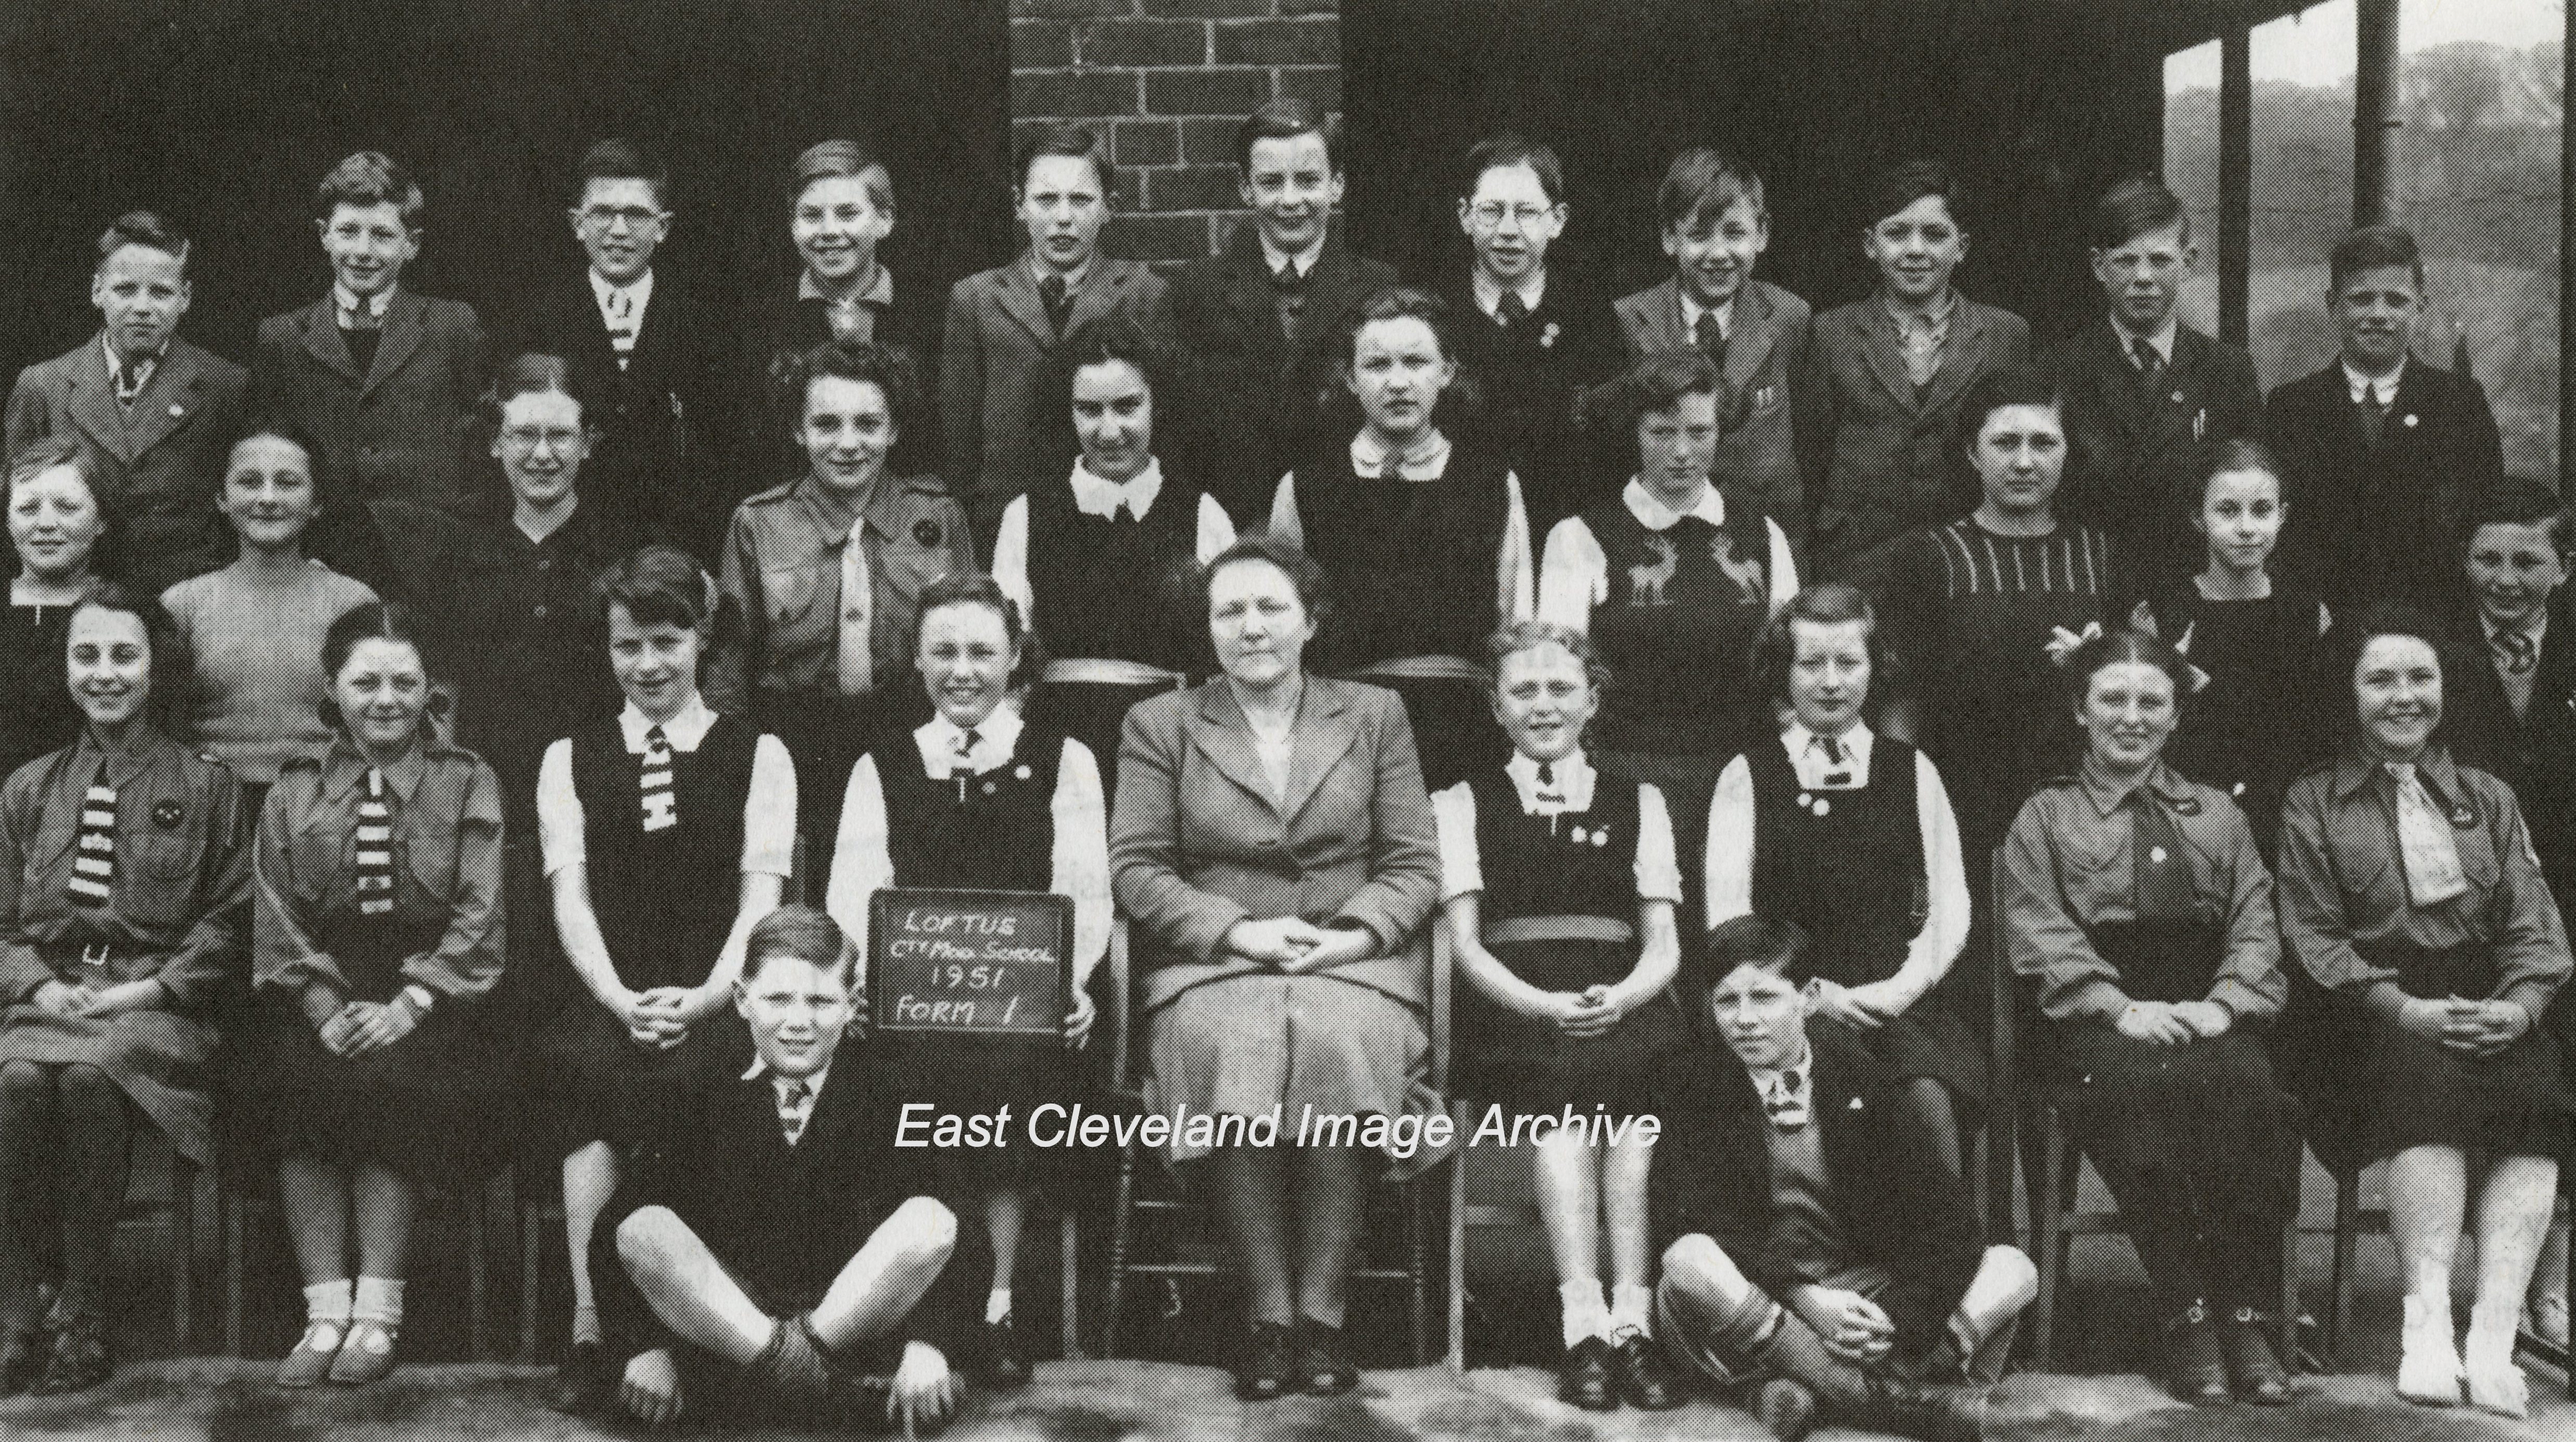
[(1325, 730), (1225, 738)]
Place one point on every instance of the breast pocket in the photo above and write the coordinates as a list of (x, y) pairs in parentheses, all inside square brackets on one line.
[(788, 593), (428, 847)]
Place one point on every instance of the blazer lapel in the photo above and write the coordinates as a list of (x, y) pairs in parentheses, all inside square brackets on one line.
[(1965, 359), (2116, 380), (1329, 287), (1222, 735), (92, 402), (1658, 314), (323, 341), (1019, 299), (169, 400), (1748, 350), (401, 338), (1109, 282), (1878, 347), (1324, 733), (1248, 289)]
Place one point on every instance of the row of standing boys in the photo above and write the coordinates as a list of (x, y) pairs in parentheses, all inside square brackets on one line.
[(1103, 429)]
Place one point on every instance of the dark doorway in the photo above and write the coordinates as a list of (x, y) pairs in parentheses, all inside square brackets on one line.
[(2038, 104), (224, 113)]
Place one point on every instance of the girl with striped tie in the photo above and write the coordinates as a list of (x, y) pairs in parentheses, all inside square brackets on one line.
[(124, 890), (637, 816), (377, 929)]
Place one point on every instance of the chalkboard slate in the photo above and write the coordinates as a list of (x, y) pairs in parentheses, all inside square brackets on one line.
[(983, 962)]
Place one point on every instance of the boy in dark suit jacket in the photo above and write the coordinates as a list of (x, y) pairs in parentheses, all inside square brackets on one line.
[(780, 1248), (154, 414), (1716, 225), (1004, 326), (383, 379), (1260, 319), (1814, 1240), (1532, 334), (648, 347), (2144, 393), (2380, 451)]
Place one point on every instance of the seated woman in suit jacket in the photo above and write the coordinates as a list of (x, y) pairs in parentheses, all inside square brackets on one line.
[(776, 1246), (1276, 852), (1814, 1241)]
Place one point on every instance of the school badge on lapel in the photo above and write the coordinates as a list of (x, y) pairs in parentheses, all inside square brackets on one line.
[(167, 814)]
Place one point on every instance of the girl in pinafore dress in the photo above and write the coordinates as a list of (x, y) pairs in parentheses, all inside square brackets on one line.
[(978, 798), (642, 817), (1561, 885), (377, 930), (124, 922), (1849, 834)]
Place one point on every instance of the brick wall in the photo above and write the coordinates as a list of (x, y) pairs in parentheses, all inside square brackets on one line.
[(1169, 80)]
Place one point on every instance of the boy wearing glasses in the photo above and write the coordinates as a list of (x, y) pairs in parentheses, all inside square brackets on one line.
[(646, 345)]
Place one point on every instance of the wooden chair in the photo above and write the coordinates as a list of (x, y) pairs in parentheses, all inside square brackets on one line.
[(478, 1209), (175, 1211), (1138, 1193)]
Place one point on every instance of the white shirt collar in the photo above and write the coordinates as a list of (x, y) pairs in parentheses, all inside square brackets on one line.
[(879, 292), (641, 287), (1039, 270), (1573, 779), (1768, 1080), (1427, 461), (2383, 389), (1724, 310), (147, 365), (2162, 339), (1654, 515), (995, 739), (1489, 295), (760, 1068), (1093, 496), (1808, 759), (343, 303), (2538, 628), (1274, 257), (684, 730)]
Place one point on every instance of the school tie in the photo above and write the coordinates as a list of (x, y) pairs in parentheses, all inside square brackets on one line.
[(131, 373), (795, 1107), (2515, 651), (1785, 1101), (2159, 872), (855, 666), (2151, 366), (621, 325), (1288, 280), (1511, 312), (661, 803), (2424, 842), (1058, 301), (1289, 287), (94, 849), (1710, 337), (1548, 794), (1838, 772), (375, 848), (2374, 416)]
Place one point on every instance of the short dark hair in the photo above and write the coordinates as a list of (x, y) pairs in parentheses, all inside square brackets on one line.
[(1754, 940), (1112, 338), (371, 621), (659, 585), (535, 373), (2012, 385), (1657, 382), (890, 368), (2519, 501), (1498, 152), (2136, 206), (826, 159), (1286, 118), (2125, 646), (370, 177), (2372, 621), (976, 588), (2374, 247), (1079, 142), (1701, 183), (2224, 456), (1908, 181), (173, 669), (149, 230), (285, 428), (1306, 575), (1826, 603), (801, 933), (618, 158)]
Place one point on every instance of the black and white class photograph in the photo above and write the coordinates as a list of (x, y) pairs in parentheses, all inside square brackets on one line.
[(1287, 720)]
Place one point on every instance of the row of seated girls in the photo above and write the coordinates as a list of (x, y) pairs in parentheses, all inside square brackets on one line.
[(1754, 836)]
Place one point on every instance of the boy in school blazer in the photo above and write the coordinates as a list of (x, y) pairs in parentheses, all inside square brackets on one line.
[(2379, 451), (2144, 393), (1005, 324), (1533, 333), (1761, 337), (1259, 319), (1813, 1239), (154, 413), (1894, 365), (772, 1244), (384, 380), (649, 348)]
